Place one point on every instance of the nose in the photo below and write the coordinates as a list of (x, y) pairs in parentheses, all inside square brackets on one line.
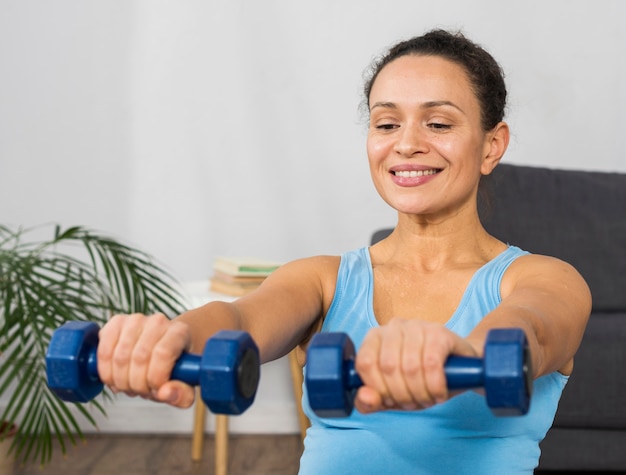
[(410, 141)]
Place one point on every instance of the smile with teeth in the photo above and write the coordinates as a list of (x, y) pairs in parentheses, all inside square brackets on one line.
[(414, 173)]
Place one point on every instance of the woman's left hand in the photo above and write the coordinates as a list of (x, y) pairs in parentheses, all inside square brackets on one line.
[(402, 363)]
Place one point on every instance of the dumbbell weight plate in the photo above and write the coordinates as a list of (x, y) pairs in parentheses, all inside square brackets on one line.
[(74, 370), (508, 372), (327, 377), (229, 372)]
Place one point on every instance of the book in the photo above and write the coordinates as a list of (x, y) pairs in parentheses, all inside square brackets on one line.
[(245, 266), (236, 289), (238, 279)]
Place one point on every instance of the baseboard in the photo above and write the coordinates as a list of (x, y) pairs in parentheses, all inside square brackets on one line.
[(138, 416), (274, 411)]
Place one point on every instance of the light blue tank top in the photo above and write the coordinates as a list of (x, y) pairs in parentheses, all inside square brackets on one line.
[(460, 436)]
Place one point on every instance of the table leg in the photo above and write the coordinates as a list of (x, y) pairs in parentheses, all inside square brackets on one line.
[(296, 379), (198, 428), (221, 444)]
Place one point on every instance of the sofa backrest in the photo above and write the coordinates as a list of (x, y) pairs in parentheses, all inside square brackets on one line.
[(577, 216)]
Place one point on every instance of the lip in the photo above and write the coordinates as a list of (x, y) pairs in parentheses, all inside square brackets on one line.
[(419, 175)]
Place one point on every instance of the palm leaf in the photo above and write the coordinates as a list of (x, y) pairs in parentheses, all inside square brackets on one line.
[(77, 274)]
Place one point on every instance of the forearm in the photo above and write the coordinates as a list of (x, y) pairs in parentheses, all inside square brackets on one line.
[(278, 315), (524, 319), (554, 331), (208, 319), (549, 300), (275, 337)]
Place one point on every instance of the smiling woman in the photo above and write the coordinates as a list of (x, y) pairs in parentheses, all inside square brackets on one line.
[(434, 288), (426, 127)]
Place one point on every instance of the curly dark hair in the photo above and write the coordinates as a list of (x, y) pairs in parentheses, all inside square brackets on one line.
[(484, 73)]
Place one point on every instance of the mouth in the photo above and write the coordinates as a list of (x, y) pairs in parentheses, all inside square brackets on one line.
[(415, 173)]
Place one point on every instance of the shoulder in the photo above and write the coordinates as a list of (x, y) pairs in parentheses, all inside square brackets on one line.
[(320, 265), (529, 263), (316, 272), (544, 273), (306, 286)]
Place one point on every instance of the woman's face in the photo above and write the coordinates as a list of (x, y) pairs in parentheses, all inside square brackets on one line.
[(426, 147)]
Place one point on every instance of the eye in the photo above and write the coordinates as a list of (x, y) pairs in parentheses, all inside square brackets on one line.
[(439, 126), (386, 126)]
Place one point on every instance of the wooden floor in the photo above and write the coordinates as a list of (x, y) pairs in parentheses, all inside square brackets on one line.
[(171, 455)]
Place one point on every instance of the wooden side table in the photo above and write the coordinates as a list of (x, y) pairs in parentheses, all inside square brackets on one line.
[(221, 421), (198, 294)]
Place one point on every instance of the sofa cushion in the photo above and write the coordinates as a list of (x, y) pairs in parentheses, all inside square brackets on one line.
[(582, 452), (594, 395), (577, 216)]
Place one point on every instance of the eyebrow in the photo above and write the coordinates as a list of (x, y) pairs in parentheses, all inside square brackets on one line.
[(423, 106)]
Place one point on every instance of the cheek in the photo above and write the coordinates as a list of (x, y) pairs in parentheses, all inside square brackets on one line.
[(458, 149), (377, 148), (446, 147)]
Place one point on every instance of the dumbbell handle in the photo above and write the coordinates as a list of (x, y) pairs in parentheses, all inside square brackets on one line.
[(461, 373), (186, 368), (504, 372)]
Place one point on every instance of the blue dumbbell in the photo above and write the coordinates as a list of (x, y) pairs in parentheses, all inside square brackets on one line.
[(504, 373), (227, 372)]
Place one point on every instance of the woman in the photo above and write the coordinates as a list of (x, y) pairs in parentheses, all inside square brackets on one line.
[(433, 288)]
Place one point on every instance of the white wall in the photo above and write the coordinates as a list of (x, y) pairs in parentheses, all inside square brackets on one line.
[(65, 113), (195, 129)]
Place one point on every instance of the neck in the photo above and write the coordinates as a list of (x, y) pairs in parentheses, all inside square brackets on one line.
[(430, 244)]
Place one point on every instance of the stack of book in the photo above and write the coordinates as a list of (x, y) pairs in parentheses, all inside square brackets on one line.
[(239, 276)]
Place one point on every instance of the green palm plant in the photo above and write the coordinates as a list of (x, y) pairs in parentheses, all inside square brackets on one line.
[(76, 274)]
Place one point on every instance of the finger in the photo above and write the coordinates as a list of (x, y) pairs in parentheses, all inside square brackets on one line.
[(130, 331), (434, 379), (412, 366), (165, 352), (392, 353), (438, 346), (368, 400), (151, 331), (366, 365), (108, 337), (175, 393)]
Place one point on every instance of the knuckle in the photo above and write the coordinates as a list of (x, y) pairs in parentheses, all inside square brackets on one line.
[(121, 357), (365, 361), (133, 319), (141, 355), (388, 365), (367, 370), (137, 387), (411, 366), (431, 363), (156, 321), (179, 330), (164, 353), (154, 382)]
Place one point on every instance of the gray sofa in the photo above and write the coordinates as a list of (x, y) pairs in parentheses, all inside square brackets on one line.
[(580, 217)]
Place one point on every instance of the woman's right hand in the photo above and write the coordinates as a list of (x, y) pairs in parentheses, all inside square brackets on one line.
[(136, 355)]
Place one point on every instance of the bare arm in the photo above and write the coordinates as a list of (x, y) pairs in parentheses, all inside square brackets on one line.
[(551, 302), (279, 314), (136, 353)]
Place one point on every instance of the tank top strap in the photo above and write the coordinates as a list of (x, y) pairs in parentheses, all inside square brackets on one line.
[(482, 294)]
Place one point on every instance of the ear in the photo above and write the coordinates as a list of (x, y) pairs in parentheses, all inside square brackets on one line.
[(496, 143)]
